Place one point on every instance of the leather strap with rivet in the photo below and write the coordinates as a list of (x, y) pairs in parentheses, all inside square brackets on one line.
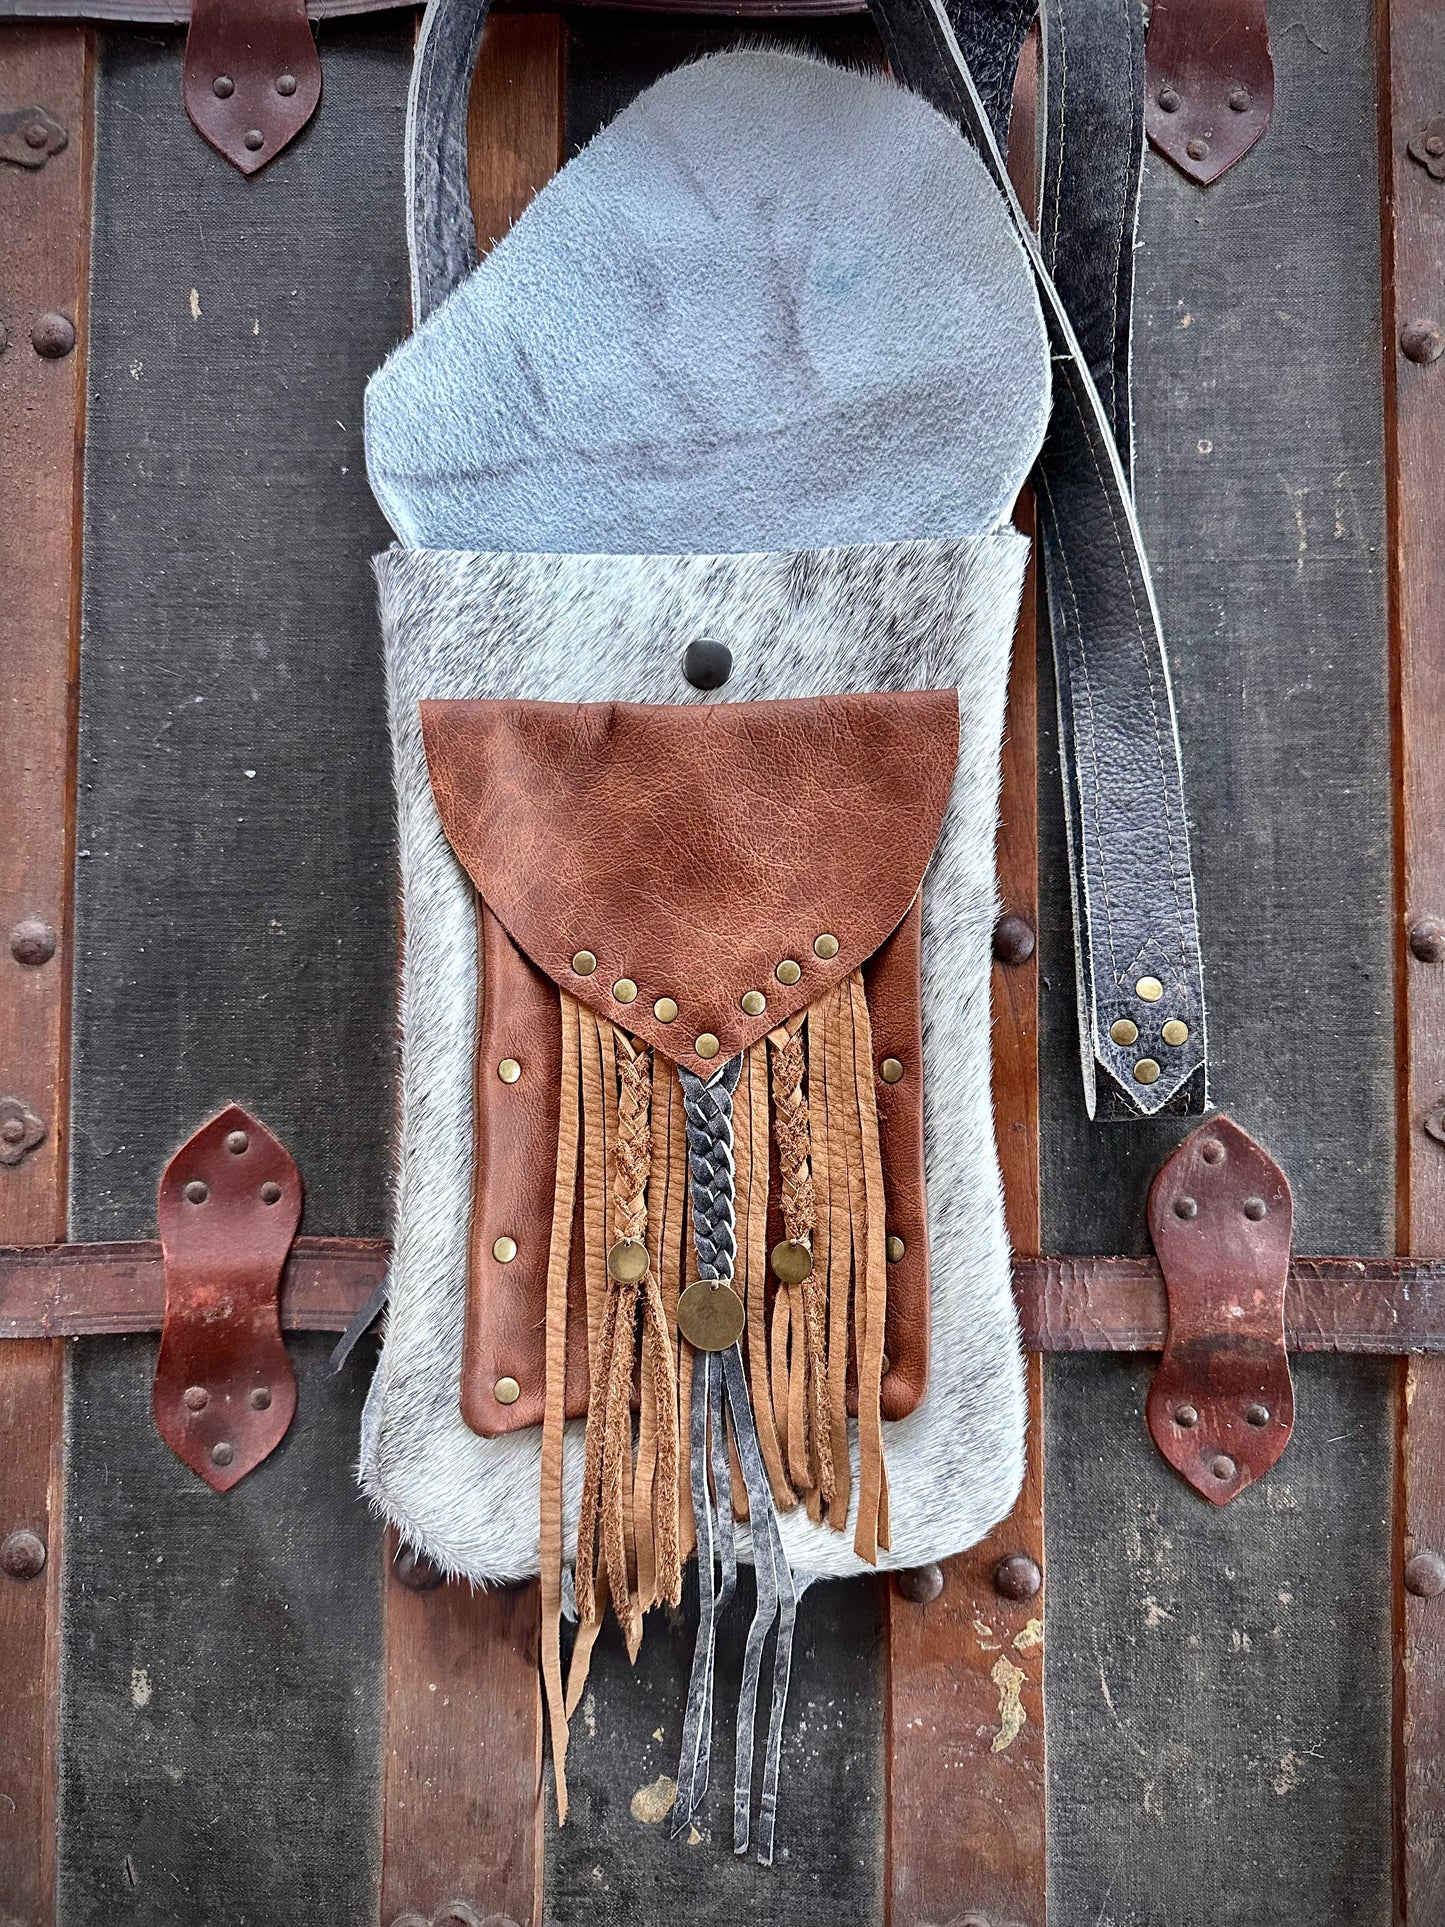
[(1138, 965)]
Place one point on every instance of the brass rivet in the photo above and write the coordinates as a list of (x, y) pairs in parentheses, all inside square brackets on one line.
[(237, 1142), (791, 1262), (754, 1002), (584, 963), (664, 1010), (887, 1365), (1257, 1414), (506, 1391), (1175, 1032), (627, 1261), (892, 1071), (894, 1249), (706, 1045), (788, 971), (260, 1398), (1149, 989), (1187, 1416), (270, 1192), (1255, 1209), (509, 1070), (825, 947), (222, 1452), (504, 1250), (197, 1192), (1124, 1031), (1146, 1071), (624, 990), (197, 1398)]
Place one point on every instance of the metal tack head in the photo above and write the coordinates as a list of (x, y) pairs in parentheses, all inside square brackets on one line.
[(1149, 990), (893, 1248), (286, 85), (1124, 1030), (825, 947), (270, 1193), (222, 1452), (707, 1045), (53, 336), (22, 1554), (1146, 1071), (1175, 1033), (509, 1070), (1186, 1207), (1197, 149), (1223, 1467), (1256, 1414), (237, 1143), (921, 1585), (891, 1070), (32, 942), (1169, 99), (707, 664), (1422, 342), (665, 1009), (197, 1191), (260, 1400), (506, 1391), (584, 963), (754, 1003), (196, 1398), (504, 1249), (1018, 1577), (223, 86), (792, 1262), (625, 991), (1425, 1575), (1186, 1415), (1427, 940), (710, 1315), (627, 1261), (1013, 940), (788, 971), (1255, 1209)]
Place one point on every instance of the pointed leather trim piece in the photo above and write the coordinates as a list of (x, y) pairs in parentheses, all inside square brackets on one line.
[(251, 78), (692, 851), (1209, 83)]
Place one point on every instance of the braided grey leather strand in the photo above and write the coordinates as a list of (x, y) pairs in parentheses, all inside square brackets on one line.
[(708, 1108)]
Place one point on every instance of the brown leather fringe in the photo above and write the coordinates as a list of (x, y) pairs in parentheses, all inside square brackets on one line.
[(553, 1412), (840, 1249), (870, 1245), (755, 1243)]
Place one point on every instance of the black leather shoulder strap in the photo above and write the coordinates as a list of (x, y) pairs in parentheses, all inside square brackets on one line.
[(1139, 972)]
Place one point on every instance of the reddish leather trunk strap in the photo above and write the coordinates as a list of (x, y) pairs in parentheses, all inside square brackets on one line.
[(1208, 83), (252, 76), (225, 1391)]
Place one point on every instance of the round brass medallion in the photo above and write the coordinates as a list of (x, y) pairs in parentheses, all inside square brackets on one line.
[(627, 1261), (710, 1315), (792, 1263)]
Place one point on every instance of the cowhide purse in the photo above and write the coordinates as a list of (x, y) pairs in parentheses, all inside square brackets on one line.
[(697, 649)]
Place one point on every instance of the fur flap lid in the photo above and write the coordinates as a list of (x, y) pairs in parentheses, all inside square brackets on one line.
[(670, 867)]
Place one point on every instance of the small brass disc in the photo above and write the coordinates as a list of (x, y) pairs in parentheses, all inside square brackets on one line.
[(665, 1009), (627, 1261), (509, 1070), (710, 1315), (894, 1248), (825, 947), (1149, 989), (754, 1003), (504, 1250), (624, 990), (792, 1263), (1146, 1071), (1124, 1031), (584, 963), (1175, 1032), (707, 1045), (788, 971), (892, 1071), (506, 1391)]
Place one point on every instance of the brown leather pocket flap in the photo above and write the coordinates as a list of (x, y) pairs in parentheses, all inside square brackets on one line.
[(695, 851)]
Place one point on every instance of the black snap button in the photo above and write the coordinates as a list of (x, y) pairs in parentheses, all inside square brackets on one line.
[(706, 664)]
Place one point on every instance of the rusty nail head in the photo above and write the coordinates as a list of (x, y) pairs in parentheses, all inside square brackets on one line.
[(414, 1570), (236, 1142), (1168, 98), (1425, 1575), (261, 1399), (1422, 342), (1186, 1415), (270, 1193), (197, 1191), (53, 336), (1427, 940), (1197, 149), (1018, 1577), (1257, 1414), (222, 1452), (1239, 100), (32, 942), (1013, 940), (921, 1585), (1186, 1207), (1223, 1467), (197, 1398), (22, 1554)]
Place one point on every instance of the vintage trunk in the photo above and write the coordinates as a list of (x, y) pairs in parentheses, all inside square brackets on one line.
[(1127, 1706)]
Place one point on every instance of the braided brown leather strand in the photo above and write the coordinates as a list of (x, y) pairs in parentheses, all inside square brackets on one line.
[(792, 1131)]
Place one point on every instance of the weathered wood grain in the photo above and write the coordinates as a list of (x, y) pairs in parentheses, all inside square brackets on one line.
[(1412, 56), (516, 119), (1216, 1750), (44, 218)]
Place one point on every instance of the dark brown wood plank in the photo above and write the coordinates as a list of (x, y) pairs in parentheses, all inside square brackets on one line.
[(1412, 56), (44, 216)]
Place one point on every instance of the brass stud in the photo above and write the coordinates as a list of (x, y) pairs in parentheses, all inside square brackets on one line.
[(509, 1070), (1146, 1071), (1124, 1031), (754, 1002), (504, 1250), (1149, 989), (788, 971), (887, 1365), (707, 1045), (1175, 1032), (894, 1248), (624, 990), (825, 947), (506, 1391), (584, 963), (664, 1010), (891, 1071)]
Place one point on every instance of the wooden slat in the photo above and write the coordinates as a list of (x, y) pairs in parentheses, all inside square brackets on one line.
[(463, 1793), (44, 216), (1412, 59)]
